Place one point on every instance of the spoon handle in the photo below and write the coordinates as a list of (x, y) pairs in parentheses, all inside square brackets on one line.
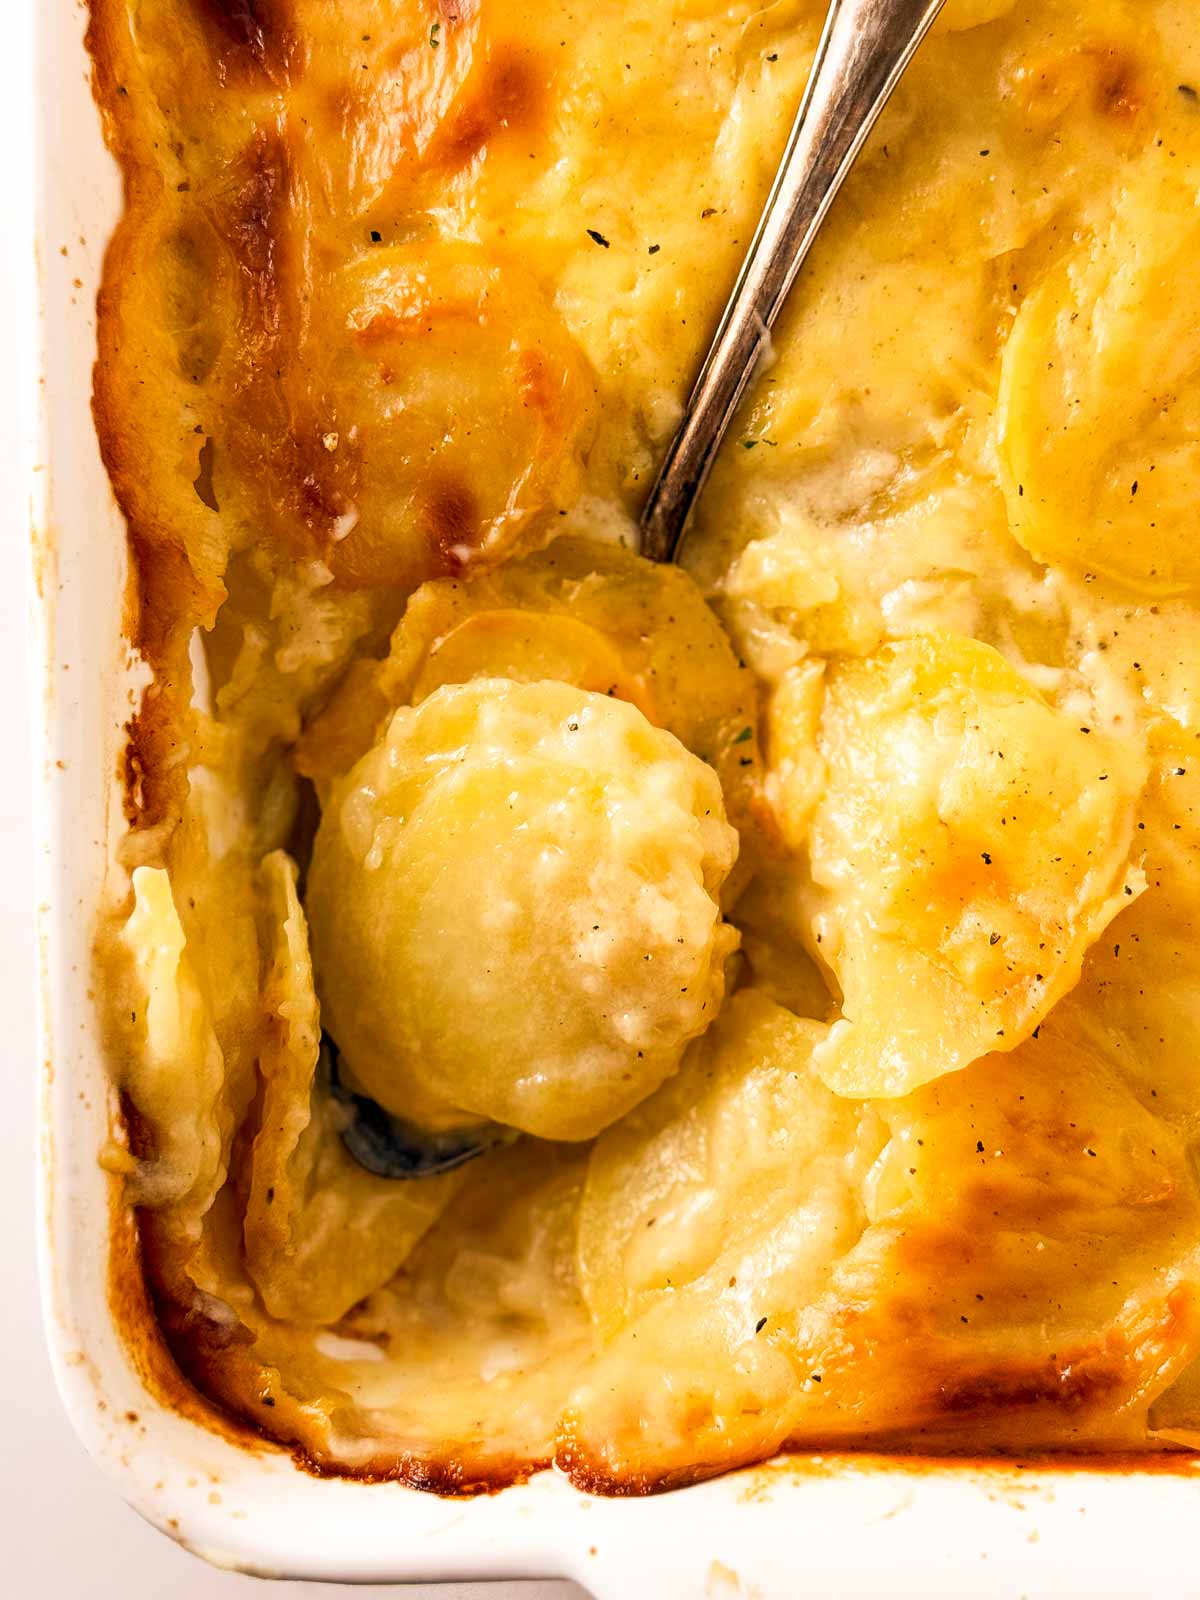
[(864, 48)]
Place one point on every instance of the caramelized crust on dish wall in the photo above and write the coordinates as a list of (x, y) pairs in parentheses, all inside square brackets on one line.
[(400, 316)]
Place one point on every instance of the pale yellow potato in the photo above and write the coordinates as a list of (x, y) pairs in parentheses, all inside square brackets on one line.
[(743, 1142), (1099, 413), (586, 613), (1140, 657), (970, 845), (514, 910), (943, 559), (178, 1072), (320, 1232)]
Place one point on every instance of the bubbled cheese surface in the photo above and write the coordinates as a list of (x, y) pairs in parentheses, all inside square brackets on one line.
[(407, 301), (514, 908)]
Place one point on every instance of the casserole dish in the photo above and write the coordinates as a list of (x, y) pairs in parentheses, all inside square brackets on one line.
[(1001, 1528)]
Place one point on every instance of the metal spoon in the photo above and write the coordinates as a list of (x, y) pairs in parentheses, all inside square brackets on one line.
[(864, 48), (391, 1147)]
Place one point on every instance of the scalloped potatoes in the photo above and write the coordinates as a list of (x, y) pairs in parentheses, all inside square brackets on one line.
[(820, 920)]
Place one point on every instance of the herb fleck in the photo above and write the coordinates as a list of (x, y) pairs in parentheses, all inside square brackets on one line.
[(597, 238)]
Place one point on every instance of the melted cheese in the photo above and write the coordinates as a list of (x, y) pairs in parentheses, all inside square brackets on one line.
[(405, 305)]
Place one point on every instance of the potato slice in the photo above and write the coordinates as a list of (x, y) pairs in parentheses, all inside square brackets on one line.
[(743, 1143), (1099, 409), (1027, 1275), (970, 845), (586, 613), (429, 332), (1140, 989), (528, 648), (176, 1069)]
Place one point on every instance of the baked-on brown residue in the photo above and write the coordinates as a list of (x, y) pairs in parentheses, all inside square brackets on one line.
[(136, 1319), (1120, 93), (455, 527)]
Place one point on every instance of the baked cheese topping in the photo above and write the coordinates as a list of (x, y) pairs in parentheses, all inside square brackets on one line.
[(825, 918)]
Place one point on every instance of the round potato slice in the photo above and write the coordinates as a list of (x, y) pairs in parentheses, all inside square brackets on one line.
[(514, 907), (528, 648), (430, 332)]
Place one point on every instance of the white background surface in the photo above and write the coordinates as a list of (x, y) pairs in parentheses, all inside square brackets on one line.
[(64, 1532)]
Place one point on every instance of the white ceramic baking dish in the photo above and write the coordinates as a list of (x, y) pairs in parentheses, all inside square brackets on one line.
[(834, 1526)]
